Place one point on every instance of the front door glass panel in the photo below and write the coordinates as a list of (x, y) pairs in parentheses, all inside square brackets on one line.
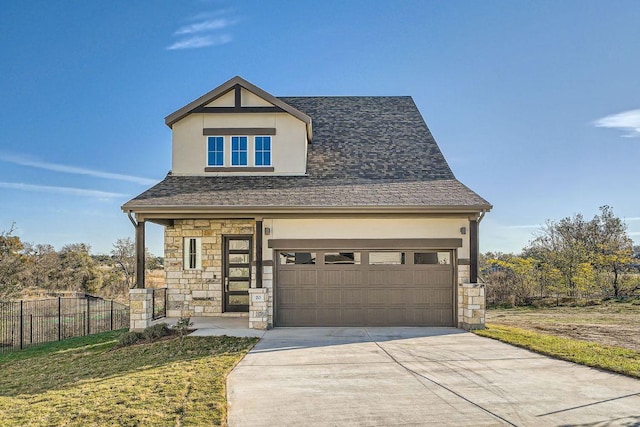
[(237, 273)]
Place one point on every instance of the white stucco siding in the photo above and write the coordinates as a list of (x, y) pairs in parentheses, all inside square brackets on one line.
[(250, 99), (368, 228), (288, 144), (226, 100)]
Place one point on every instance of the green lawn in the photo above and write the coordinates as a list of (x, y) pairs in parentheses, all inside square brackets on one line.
[(610, 358), (87, 382)]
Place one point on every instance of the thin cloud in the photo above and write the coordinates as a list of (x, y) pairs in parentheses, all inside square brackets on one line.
[(69, 191), (523, 226), (632, 218), (627, 121), (205, 16), (200, 41), (209, 25), (204, 30), (17, 160)]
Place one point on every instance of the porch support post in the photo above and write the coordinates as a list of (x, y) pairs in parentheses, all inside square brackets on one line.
[(140, 261), (473, 251), (258, 253)]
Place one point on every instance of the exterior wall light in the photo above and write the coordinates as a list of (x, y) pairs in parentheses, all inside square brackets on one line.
[(267, 231), (463, 230)]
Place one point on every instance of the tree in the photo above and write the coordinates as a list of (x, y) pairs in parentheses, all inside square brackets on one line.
[(11, 262), (563, 246), (79, 271), (42, 267), (123, 255), (585, 252), (518, 273), (613, 248)]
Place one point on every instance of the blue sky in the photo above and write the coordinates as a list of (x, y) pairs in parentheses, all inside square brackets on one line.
[(535, 104)]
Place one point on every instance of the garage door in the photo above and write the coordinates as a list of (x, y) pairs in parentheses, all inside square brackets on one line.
[(364, 288)]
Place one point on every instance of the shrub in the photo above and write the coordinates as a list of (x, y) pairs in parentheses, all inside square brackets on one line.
[(157, 331), (182, 326), (129, 338)]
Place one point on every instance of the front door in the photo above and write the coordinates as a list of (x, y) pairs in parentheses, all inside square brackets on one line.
[(237, 272)]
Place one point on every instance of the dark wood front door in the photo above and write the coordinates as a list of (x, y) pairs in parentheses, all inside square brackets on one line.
[(237, 272)]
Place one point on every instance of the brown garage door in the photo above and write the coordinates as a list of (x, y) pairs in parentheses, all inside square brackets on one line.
[(364, 288)]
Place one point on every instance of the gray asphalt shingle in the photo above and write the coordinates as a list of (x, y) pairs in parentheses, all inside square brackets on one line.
[(366, 151)]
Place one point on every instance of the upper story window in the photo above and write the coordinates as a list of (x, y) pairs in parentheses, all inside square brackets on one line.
[(263, 151), (215, 151), (238, 151)]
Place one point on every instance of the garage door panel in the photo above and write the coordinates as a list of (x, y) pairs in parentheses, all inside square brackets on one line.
[(377, 278), (362, 294), (434, 316), (308, 277), (352, 296), (441, 296), (352, 316), (329, 316), (298, 316), (377, 296), (434, 276), (331, 277), (296, 297), (288, 277), (352, 278), (329, 296)]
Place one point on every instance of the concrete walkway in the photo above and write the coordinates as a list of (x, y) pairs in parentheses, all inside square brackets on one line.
[(232, 326), (418, 376)]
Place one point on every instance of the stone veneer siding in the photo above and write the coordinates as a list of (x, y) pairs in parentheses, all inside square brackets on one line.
[(471, 301), (471, 306), (140, 308), (199, 292)]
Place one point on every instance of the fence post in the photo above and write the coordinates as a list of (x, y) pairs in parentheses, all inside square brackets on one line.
[(153, 303), (59, 319), (111, 316), (88, 317), (31, 329), (21, 324)]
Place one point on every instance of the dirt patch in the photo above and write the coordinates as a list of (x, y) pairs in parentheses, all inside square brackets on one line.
[(611, 323)]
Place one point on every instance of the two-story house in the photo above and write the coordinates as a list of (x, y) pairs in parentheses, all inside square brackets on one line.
[(304, 211)]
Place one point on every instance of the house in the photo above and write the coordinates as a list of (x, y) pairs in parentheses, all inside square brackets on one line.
[(305, 211)]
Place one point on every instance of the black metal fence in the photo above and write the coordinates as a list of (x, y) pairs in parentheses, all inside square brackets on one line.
[(26, 323), (159, 303)]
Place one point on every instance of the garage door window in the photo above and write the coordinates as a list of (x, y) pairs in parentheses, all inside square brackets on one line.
[(432, 258), (342, 258), (297, 258), (386, 258)]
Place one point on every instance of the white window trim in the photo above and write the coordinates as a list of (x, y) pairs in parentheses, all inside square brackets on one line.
[(186, 244), (249, 157), (270, 150), (224, 151)]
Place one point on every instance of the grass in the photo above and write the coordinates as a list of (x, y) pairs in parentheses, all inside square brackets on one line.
[(87, 381), (610, 358)]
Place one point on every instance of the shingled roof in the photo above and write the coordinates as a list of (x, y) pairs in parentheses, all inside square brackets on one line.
[(366, 152)]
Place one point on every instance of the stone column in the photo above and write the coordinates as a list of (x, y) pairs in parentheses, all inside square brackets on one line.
[(471, 306), (260, 300), (140, 308)]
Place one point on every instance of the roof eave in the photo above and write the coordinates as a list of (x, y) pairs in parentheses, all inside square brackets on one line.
[(253, 210)]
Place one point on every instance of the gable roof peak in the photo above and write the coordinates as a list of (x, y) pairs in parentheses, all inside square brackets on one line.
[(227, 87)]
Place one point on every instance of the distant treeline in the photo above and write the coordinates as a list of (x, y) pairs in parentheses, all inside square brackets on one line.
[(26, 266), (570, 258)]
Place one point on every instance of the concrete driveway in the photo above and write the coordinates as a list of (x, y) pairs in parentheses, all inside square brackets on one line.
[(418, 376)]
